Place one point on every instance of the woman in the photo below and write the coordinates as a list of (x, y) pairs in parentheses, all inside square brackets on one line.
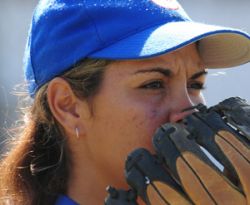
[(104, 76)]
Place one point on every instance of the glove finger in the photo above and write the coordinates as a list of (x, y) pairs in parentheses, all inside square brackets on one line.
[(237, 113), (239, 156), (216, 186), (203, 184), (171, 140), (203, 127), (153, 184), (161, 194), (237, 145)]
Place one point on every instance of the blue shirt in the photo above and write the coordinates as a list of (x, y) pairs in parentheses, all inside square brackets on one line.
[(64, 200)]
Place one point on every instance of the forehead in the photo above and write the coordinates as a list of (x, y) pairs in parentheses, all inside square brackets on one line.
[(186, 60)]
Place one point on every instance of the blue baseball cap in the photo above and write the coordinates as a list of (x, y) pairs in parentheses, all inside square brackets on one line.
[(63, 32)]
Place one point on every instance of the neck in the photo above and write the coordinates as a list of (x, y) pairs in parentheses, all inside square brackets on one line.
[(88, 181), (87, 188), (90, 174)]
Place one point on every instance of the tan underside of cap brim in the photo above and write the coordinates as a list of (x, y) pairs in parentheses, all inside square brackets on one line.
[(224, 50)]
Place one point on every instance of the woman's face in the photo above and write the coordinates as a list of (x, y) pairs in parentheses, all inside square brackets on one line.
[(135, 98)]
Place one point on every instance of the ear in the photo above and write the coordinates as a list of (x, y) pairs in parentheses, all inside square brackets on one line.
[(65, 106)]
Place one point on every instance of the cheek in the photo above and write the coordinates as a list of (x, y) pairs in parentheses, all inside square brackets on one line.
[(126, 122), (133, 128), (145, 127), (156, 117)]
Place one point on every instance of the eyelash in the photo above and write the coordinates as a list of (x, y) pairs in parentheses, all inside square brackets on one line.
[(196, 86), (154, 85), (158, 84)]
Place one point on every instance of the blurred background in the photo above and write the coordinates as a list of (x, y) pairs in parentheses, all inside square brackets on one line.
[(15, 18)]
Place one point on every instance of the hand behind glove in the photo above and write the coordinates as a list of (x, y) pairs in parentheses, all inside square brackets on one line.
[(182, 174)]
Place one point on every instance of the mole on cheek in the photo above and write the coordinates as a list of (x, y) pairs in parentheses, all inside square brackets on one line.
[(133, 119)]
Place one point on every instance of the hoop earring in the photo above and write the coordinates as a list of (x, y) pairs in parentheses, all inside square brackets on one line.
[(77, 133)]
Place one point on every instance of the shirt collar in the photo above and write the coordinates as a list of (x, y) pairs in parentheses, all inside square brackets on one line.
[(64, 200)]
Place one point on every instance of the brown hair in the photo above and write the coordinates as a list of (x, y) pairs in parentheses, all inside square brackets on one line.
[(36, 168)]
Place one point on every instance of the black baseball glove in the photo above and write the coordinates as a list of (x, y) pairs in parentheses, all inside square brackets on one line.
[(203, 160)]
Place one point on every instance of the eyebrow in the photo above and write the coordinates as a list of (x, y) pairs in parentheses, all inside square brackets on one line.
[(164, 71), (169, 73), (198, 74)]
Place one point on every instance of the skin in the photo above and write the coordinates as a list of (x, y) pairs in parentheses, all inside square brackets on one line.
[(134, 99)]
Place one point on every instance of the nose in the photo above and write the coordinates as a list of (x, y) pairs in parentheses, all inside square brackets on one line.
[(179, 104)]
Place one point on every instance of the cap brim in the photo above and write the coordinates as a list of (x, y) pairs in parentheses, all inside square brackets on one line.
[(219, 47)]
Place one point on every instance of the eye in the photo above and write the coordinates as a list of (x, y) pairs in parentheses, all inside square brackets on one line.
[(196, 86), (153, 85)]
